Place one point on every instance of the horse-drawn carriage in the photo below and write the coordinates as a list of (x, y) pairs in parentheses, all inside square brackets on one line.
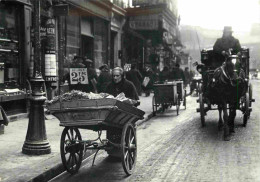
[(116, 117), (169, 94), (225, 83)]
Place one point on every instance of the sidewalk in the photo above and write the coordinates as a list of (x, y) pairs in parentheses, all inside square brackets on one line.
[(16, 166)]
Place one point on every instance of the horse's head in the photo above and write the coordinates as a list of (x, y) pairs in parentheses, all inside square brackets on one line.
[(232, 65)]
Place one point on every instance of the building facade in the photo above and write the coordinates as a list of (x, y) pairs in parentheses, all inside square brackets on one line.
[(157, 22), (15, 51), (88, 29)]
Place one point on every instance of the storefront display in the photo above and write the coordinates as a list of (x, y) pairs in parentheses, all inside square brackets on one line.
[(12, 95), (9, 51)]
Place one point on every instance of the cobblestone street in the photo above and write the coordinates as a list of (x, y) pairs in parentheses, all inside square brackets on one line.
[(176, 148)]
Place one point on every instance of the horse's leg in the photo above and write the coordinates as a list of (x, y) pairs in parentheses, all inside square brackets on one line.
[(220, 121), (226, 127), (231, 119)]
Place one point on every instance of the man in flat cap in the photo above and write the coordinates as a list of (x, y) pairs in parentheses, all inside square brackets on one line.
[(226, 42)]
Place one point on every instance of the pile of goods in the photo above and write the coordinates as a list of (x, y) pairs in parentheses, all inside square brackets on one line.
[(79, 95)]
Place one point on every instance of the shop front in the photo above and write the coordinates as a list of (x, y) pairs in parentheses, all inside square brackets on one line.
[(85, 36), (157, 25), (15, 44)]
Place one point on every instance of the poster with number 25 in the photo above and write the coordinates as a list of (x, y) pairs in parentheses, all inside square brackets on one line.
[(78, 75)]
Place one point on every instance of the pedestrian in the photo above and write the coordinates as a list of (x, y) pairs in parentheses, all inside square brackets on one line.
[(148, 73), (164, 74), (187, 76), (119, 84), (92, 76), (104, 78), (135, 76), (177, 73)]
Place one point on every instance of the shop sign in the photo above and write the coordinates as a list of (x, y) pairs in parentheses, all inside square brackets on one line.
[(50, 66), (50, 34), (78, 75), (144, 24), (51, 78), (43, 32)]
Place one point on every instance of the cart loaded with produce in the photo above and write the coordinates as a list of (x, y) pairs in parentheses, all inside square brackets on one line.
[(117, 115)]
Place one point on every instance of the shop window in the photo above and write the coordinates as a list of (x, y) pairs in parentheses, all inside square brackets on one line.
[(9, 49)]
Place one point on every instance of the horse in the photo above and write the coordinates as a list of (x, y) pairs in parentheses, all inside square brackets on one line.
[(226, 87)]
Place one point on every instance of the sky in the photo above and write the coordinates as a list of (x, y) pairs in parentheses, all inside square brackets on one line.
[(215, 14)]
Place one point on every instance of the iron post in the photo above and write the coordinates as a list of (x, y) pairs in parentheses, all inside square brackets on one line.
[(36, 142)]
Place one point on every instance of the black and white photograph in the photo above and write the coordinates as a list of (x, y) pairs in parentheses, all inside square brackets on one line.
[(129, 90)]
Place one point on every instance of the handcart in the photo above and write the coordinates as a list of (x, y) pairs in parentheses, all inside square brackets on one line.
[(167, 95), (116, 117)]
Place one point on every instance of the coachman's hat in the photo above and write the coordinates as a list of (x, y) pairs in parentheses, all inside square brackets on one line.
[(227, 29)]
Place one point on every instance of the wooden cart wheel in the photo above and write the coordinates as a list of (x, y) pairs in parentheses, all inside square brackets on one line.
[(202, 112), (129, 148), (246, 110), (71, 150), (154, 107)]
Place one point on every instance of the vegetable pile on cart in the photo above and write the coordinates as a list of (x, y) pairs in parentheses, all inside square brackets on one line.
[(117, 115)]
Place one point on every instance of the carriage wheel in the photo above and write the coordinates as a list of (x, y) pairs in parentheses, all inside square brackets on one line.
[(246, 110), (202, 113), (200, 88), (184, 99), (178, 105), (250, 91), (154, 107), (129, 148), (71, 150)]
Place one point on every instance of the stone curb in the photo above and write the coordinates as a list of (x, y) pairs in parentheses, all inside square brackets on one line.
[(58, 169)]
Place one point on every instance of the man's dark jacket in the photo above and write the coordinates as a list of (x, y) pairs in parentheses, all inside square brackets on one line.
[(124, 86), (135, 76), (103, 80), (177, 74), (225, 43)]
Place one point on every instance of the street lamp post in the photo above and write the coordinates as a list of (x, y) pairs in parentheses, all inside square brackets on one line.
[(36, 142)]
